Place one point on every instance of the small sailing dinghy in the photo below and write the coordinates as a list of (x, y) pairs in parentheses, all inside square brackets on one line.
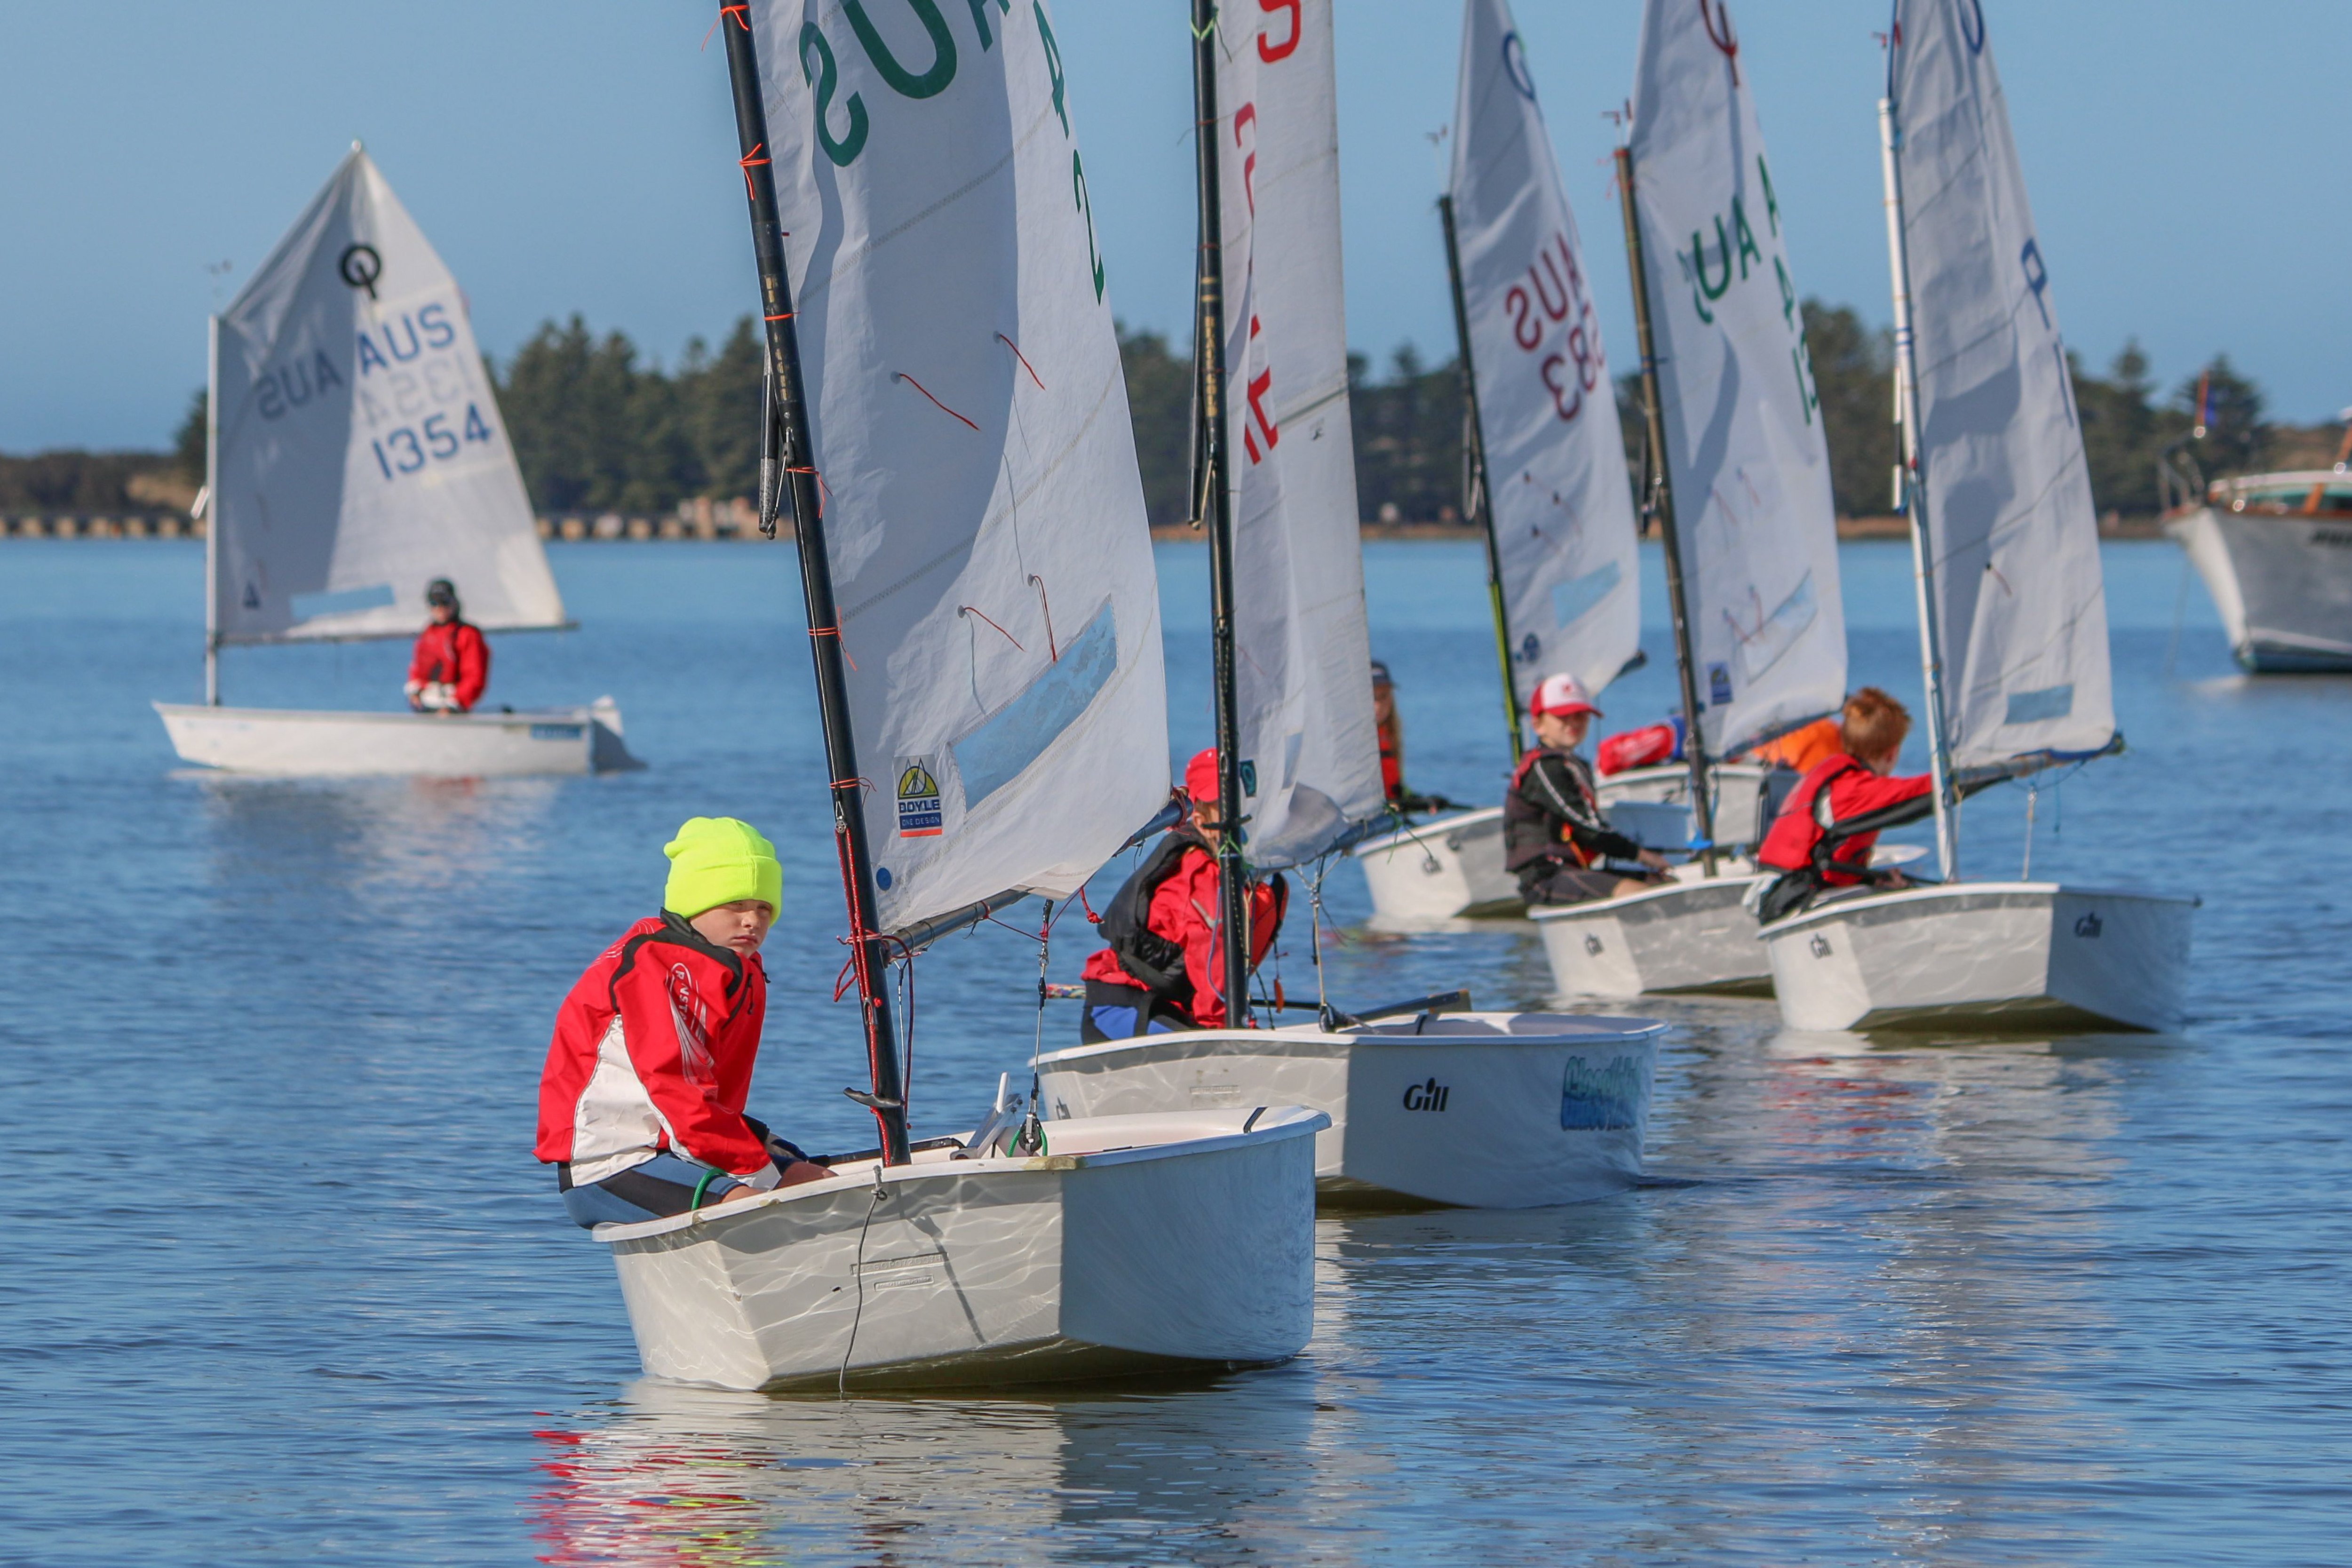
[(354, 454), (2013, 613), (1501, 1110), (1545, 459), (985, 634), (1739, 486)]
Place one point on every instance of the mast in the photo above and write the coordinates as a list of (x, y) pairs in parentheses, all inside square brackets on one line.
[(1215, 499), (212, 511), (1914, 493), (1662, 500), (789, 421), (1474, 482)]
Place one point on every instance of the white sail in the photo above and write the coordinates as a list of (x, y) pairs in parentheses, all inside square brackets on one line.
[(2010, 523), (1556, 479), (1311, 757), (358, 451), (989, 546), (1750, 473)]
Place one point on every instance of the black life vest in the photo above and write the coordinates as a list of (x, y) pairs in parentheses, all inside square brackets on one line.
[(1156, 963)]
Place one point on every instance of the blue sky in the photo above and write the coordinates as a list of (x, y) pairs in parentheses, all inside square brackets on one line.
[(579, 157)]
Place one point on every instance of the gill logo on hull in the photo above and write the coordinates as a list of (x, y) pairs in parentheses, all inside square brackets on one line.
[(1429, 1096)]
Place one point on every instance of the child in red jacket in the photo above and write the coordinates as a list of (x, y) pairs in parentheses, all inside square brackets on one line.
[(1824, 834), (641, 1102)]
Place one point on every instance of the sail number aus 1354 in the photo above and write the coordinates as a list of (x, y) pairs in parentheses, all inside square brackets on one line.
[(406, 449)]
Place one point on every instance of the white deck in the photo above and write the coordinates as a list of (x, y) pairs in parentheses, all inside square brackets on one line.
[(295, 742)]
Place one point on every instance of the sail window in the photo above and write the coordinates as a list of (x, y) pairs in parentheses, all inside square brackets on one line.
[(2034, 706), (1573, 599), (1017, 734), (342, 602)]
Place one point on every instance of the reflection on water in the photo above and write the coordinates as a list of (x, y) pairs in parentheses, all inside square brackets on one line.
[(383, 840), (285, 1285)]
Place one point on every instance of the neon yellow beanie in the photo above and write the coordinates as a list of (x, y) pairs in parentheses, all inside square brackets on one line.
[(716, 860)]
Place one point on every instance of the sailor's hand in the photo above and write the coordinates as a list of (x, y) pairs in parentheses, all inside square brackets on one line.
[(1653, 859)]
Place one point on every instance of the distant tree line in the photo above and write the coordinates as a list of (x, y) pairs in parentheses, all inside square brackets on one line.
[(598, 427)]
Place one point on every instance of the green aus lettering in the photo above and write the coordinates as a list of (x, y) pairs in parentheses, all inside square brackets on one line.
[(817, 65), (980, 19), (932, 81), (1078, 181), (1052, 65)]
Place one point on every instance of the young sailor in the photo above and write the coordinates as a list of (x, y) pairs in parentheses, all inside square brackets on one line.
[(452, 661), (641, 1102), (1389, 726), (1824, 834), (1164, 965), (1554, 834)]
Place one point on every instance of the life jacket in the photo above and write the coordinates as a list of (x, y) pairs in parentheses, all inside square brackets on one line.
[(1798, 838), (1392, 762), (1156, 963), (1532, 832), (1643, 748)]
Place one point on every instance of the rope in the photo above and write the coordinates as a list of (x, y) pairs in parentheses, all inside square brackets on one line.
[(749, 162), (724, 12), (918, 387), (1009, 344), (976, 610)]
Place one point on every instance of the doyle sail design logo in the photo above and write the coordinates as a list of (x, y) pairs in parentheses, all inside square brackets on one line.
[(920, 815)]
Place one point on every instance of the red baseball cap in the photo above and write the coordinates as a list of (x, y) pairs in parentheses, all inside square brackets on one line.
[(1564, 695), (1201, 775)]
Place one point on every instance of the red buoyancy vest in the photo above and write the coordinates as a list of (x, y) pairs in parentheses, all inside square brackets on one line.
[(1392, 759), (1797, 836)]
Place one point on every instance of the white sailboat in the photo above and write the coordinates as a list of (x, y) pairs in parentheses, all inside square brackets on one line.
[(986, 641), (354, 454), (1489, 1108), (1547, 457), (1741, 492), (2013, 613)]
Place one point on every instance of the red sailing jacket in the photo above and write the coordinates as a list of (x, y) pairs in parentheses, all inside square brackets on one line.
[(1184, 910), (653, 1051), (1392, 759), (456, 655), (1838, 791)]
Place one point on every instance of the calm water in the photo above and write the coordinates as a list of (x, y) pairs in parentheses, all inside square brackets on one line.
[(283, 1284)]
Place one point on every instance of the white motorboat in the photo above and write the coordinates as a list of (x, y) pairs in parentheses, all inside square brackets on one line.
[(355, 453), (1024, 1253), (290, 741), (1476, 1110), (1695, 932), (2275, 551), (2006, 551), (2029, 955), (1130, 1244)]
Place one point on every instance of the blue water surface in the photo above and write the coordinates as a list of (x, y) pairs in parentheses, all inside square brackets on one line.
[(284, 1285)]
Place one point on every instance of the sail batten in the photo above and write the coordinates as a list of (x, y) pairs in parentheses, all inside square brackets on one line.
[(1557, 487), (984, 513), (1310, 755), (2020, 604), (1745, 448), (359, 450)]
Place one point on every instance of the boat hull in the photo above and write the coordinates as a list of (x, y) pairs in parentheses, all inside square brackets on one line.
[(294, 742), (2282, 584), (1132, 1245), (1480, 1110), (1452, 867), (1695, 934), (1739, 814), (2003, 955), (1448, 867)]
